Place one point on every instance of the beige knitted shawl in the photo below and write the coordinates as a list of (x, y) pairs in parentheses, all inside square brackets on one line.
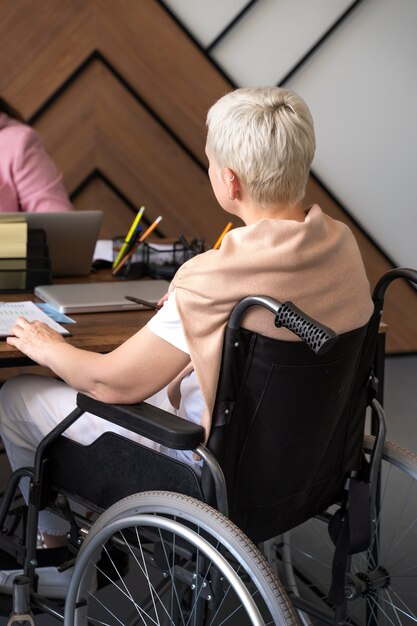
[(316, 264)]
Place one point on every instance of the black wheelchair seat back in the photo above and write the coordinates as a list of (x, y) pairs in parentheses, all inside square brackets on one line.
[(283, 427)]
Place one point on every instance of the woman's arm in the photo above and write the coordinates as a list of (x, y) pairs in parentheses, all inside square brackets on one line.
[(131, 373)]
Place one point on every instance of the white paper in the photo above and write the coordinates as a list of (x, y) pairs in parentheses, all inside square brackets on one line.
[(103, 250), (10, 311)]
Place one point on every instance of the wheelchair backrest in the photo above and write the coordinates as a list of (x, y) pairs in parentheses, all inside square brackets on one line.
[(288, 425)]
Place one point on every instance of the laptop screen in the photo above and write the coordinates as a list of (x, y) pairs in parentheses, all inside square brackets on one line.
[(71, 237)]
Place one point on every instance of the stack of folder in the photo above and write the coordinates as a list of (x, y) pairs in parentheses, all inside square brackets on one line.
[(24, 257), (13, 251)]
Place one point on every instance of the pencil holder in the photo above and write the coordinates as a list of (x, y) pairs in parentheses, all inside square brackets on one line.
[(162, 260), (134, 266)]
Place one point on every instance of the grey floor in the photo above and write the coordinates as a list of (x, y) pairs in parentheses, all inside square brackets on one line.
[(400, 403)]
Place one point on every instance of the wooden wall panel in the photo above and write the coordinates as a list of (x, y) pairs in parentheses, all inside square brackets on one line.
[(158, 174), (172, 75), (126, 143), (68, 129), (42, 44), (97, 195), (119, 94)]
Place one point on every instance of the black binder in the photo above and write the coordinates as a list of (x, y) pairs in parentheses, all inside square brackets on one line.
[(24, 274)]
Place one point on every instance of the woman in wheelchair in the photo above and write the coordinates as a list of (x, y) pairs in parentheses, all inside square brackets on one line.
[(260, 145)]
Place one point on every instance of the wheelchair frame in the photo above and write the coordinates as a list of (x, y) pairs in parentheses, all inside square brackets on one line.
[(174, 432)]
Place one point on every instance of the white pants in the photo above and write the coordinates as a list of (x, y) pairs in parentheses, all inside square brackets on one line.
[(31, 406)]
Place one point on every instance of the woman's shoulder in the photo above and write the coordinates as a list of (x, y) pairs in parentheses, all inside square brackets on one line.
[(317, 218), (16, 131), (18, 140)]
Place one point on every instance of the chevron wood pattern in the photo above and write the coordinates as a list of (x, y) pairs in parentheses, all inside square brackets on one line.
[(137, 37), (97, 193), (126, 143), (119, 94)]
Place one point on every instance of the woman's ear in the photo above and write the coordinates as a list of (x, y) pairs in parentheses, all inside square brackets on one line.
[(232, 182)]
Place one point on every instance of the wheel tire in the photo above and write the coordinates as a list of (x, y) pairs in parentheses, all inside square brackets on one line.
[(178, 523)]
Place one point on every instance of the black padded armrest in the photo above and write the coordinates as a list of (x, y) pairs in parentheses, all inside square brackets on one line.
[(148, 421)]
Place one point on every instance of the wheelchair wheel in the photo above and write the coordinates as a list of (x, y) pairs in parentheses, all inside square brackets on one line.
[(188, 565), (381, 587)]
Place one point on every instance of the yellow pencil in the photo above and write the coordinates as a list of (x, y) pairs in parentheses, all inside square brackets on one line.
[(220, 239), (139, 241), (129, 235)]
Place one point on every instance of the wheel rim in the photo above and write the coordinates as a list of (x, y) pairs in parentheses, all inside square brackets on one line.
[(207, 586)]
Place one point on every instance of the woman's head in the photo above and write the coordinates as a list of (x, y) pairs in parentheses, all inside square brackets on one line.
[(266, 136)]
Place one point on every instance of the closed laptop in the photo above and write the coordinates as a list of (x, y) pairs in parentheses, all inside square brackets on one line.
[(101, 296)]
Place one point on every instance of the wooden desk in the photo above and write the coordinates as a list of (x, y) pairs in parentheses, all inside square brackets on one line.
[(102, 332), (98, 332)]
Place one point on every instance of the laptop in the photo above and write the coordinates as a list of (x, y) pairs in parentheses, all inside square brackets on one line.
[(104, 296), (71, 237)]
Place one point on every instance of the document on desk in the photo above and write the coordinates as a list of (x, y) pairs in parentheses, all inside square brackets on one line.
[(10, 311)]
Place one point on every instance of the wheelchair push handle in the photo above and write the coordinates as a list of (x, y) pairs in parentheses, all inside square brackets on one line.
[(318, 337), (398, 272)]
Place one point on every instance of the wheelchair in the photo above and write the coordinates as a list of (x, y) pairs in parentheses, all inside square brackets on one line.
[(154, 541)]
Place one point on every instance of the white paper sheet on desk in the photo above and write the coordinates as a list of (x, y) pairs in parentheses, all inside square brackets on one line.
[(10, 311), (103, 250)]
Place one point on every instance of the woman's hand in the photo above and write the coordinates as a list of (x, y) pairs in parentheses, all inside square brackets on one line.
[(165, 297), (35, 339), (162, 300)]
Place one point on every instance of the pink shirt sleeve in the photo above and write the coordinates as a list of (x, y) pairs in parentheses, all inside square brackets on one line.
[(37, 180)]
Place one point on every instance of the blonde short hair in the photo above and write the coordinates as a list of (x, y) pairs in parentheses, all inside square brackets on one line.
[(265, 135)]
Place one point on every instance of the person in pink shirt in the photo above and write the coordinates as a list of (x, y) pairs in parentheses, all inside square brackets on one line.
[(29, 179)]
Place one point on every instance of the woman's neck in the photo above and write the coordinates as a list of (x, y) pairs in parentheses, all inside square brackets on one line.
[(279, 211)]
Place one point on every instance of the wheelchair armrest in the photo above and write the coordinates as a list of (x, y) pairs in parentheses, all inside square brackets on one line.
[(148, 421)]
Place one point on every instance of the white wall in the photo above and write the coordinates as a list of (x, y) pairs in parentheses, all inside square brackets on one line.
[(360, 85)]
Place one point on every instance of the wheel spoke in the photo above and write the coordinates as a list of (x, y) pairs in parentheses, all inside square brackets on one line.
[(188, 566), (382, 580)]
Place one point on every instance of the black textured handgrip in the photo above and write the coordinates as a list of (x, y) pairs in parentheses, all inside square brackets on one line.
[(318, 337)]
